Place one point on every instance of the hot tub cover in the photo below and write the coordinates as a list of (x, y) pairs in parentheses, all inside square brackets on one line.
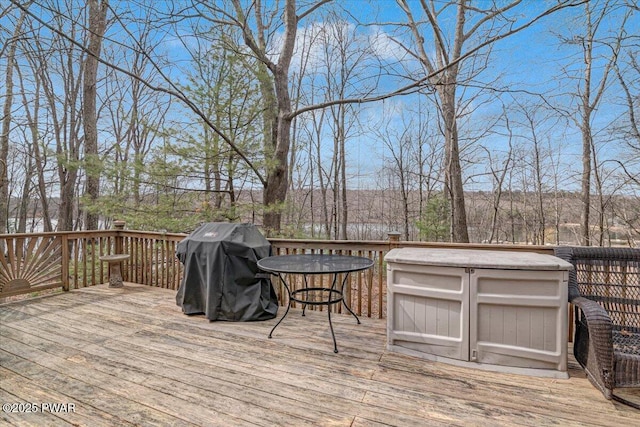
[(221, 277)]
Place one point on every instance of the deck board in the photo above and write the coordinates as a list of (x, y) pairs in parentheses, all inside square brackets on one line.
[(130, 357)]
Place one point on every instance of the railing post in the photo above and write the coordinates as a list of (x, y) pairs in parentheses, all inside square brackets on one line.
[(118, 245), (394, 239)]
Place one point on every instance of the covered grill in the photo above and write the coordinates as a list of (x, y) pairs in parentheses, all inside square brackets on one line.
[(221, 277)]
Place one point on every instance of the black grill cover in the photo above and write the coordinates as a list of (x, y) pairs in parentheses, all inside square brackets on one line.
[(221, 276)]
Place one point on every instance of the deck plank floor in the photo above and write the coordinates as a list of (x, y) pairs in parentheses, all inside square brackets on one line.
[(130, 357)]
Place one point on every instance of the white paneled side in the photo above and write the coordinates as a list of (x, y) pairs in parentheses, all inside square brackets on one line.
[(521, 318), (428, 309)]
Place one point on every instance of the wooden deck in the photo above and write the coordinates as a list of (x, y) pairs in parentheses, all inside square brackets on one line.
[(130, 357)]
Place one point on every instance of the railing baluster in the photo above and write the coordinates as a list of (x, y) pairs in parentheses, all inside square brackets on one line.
[(65, 262), (76, 249)]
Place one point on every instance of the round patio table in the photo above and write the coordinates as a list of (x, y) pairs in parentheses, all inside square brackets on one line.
[(315, 264)]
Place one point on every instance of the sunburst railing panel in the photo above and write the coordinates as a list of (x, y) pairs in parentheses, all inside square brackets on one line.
[(30, 264)]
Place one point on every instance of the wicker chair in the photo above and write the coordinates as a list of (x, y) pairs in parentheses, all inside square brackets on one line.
[(604, 287)]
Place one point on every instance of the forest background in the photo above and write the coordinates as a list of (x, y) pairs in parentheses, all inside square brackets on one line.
[(485, 121)]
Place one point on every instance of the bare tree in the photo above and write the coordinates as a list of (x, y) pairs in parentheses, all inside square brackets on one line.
[(629, 131), (137, 115), (59, 67), (498, 175), (277, 97), (534, 132), (472, 29), (97, 26), (342, 59), (592, 87), (272, 71), (6, 123), (399, 146), (35, 145), (429, 150), (324, 171), (33, 161)]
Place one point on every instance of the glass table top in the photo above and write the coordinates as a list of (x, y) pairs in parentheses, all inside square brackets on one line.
[(314, 263)]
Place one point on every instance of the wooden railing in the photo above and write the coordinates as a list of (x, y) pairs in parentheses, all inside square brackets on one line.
[(30, 263), (35, 262)]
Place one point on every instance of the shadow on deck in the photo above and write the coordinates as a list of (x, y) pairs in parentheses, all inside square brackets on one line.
[(130, 357)]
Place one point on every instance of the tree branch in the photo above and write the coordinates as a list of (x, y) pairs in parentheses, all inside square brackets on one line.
[(313, 8)]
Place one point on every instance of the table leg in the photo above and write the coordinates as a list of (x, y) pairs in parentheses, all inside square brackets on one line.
[(304, 306), (288, 305), (344, 281), (335, 345)]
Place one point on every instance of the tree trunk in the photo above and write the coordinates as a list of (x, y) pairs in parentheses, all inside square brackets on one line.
[(6, 127), (269, 135), (498, 189), (602, 204), (539, 175), (445, 83), (323, 186), (585, 194), (342, 161), (25, 199), (404, 191), (335, 208), (40, 163), (585, 127), (453, 171), (277, 179), (97, 26)]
